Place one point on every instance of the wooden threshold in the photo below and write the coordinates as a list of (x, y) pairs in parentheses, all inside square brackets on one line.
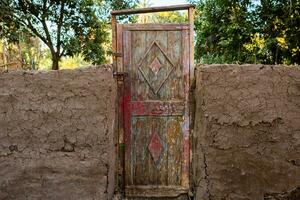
[(155, 191)]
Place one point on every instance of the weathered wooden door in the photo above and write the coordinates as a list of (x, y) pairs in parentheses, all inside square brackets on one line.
[(154, 109)]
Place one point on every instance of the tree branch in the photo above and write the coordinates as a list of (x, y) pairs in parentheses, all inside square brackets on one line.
[(46, 39), (43, 21), (48, 36), (59, 26), (31, 28), (62, 53)]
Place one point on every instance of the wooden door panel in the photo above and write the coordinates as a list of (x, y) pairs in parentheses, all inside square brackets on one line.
[(167, 169), (170, 42), (155, 109)]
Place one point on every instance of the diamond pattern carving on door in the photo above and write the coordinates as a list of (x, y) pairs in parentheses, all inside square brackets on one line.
[(156, 148), (155, 82), (155, 66)]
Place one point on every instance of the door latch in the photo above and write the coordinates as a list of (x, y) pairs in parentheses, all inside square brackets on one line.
[(117, 54), (116, 73), (119, 74)]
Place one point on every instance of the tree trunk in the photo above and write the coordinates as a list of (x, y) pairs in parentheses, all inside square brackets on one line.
[(20, 60), (55, 61), (4, 54)]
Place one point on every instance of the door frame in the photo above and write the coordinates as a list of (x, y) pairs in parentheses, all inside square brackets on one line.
[(120, 76)]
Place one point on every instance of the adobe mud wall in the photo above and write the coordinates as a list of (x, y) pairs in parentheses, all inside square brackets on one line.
[(247, 133), (56, 134)]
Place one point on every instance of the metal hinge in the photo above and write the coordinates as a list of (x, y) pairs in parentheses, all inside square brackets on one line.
[(119, 74), (117, 54)]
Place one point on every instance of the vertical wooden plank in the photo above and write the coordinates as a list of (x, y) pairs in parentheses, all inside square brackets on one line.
[(139, 48), (120, 83), (126, 106), (114, 39), (191, 43), (158, 172), (174, 87), (135, 130), (154, 123), (120, 138), (185, 125), (119, 173), (134, 72), (162, 40), (191, 58), (119, 59), (174, 150), (150, 38), (140, 138)]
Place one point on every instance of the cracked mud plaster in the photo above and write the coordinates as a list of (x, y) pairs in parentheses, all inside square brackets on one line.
[(56, 134), (247, 132)]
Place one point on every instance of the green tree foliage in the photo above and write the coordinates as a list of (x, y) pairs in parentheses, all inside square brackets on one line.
[(67, 27), (24, 53), (279, 23), (248, 31), (222, 27)]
